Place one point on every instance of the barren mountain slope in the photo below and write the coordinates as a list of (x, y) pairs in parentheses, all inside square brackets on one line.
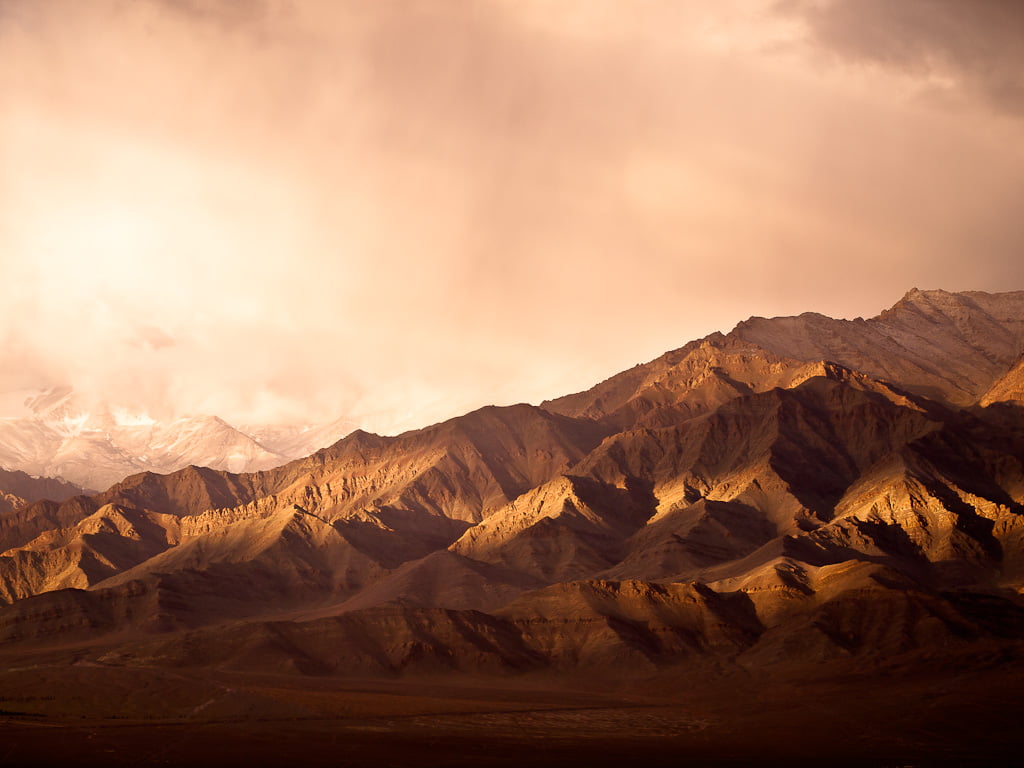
[(384, 501), (739, 501), (778, 459), (685, 383), (1008, 388), (947, 346), (18, 489), (107, 542)]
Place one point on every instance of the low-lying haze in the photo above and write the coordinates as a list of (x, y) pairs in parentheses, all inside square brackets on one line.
[(399, 211)]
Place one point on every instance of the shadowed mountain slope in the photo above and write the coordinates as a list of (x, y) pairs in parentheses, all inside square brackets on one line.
[(385, 500), (800, 489), (18, 489)]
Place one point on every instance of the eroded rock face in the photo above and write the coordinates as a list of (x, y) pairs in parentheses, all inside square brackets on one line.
[(801, 488), (1008, 388)]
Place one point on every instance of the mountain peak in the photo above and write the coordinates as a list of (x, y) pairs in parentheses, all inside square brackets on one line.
[(95, 443), (931, 297), (944, 345), (912, 294)]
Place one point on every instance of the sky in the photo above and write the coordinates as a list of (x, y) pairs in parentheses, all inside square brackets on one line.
[(396, 211)]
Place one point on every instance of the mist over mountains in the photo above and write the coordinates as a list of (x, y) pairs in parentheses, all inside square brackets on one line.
[(323, 439), (799, 488), (57, 433)]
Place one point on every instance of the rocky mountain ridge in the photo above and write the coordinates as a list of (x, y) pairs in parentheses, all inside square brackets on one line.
[(798, 490), (19, 489)]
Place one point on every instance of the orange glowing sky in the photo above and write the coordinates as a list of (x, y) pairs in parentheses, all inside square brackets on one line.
[(399, 211)]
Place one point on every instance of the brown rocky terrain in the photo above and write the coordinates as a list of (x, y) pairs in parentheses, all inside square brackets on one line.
[(18, 490), (799, 502)]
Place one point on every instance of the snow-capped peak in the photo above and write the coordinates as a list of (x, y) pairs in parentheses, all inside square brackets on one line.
[(55, 432)]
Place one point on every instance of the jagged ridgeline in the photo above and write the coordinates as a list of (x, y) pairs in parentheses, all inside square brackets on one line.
[(800, 489)]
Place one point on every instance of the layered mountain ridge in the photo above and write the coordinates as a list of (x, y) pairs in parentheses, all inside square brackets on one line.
[(799, 489), (19, 489)]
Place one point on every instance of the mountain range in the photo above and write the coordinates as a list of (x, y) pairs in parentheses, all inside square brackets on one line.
[(800, 495), (56, 433)]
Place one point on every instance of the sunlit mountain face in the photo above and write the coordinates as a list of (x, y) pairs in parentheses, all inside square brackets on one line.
[(803, 501), (386, 382)]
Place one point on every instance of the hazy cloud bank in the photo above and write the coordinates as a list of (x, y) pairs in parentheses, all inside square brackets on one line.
[(397, 211), (976, 46)]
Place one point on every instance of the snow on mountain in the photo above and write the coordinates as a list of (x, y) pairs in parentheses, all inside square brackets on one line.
[(52, 433), (723, 509)]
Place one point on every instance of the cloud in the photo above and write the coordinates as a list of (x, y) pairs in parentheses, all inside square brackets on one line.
[(969, 45), (226, 13), (398, 211), (154, 338)]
